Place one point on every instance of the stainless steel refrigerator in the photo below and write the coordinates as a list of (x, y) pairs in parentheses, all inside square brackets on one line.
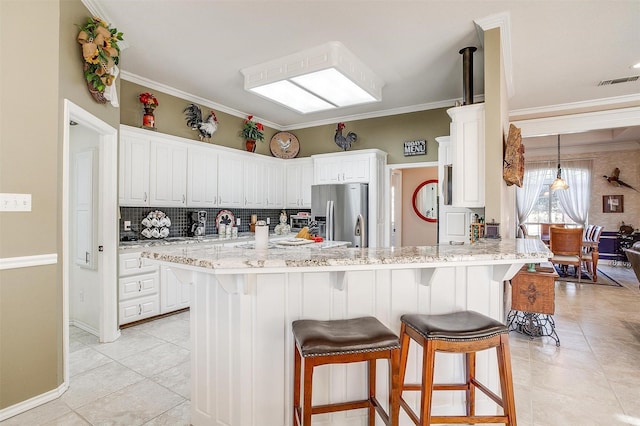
[(342, 212)]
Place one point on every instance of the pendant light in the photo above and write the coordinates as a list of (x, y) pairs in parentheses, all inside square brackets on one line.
[(559, 183)]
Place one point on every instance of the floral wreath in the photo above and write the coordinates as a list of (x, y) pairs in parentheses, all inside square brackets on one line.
[(101, 54)]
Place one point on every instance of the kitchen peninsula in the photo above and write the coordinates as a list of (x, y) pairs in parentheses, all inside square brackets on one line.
[(244, 300)]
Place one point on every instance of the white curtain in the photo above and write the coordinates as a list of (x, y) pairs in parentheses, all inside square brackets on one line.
[(575, 200), (527, 195)]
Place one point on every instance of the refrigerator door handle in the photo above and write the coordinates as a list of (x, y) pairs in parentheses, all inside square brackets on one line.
[(330, 220), (361, 231)]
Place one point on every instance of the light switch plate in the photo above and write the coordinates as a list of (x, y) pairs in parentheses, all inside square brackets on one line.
[(15, 202)]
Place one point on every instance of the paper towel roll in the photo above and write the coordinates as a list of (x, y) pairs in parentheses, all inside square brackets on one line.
[(262, 235)]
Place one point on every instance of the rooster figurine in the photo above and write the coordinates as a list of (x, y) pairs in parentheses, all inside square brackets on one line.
[(615, 180), (344, 142), (205, 128)]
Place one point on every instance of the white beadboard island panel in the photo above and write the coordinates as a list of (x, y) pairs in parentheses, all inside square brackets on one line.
[(245, 300)]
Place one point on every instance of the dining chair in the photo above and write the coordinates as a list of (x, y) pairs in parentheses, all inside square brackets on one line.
[(591, 241), (566, 246)]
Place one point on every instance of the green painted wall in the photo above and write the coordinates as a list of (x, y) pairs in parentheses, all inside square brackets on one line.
[(385, 133)]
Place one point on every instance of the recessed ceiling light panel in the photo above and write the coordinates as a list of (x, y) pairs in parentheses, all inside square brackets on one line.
[(329, 72), (289, 95)]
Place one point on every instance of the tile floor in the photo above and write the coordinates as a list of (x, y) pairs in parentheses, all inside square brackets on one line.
[(593, 378)]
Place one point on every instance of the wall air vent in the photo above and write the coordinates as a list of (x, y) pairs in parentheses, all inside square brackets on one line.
[(619, 80)]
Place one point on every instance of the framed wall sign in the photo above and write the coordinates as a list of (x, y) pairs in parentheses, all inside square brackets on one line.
[(612, 204), (415, 148)]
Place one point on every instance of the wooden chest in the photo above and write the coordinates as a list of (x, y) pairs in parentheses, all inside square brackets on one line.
[(534, 291)]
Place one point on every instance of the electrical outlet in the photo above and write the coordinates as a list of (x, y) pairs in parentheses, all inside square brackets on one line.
[(127, 225), (268, 220), (237, 221), (15, 202)]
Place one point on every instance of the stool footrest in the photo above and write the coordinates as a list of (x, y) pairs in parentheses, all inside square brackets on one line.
[(488, 392), (468, 420), (341, 406)]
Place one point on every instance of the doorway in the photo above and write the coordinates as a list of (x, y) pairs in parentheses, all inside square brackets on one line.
[(405, 227), (89, 226)]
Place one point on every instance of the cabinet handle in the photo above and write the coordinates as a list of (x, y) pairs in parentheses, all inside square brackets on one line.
[(86, 257), (139, 286), (245, 201), (145, 197), (139, 262), (139, 309), (183, 199)]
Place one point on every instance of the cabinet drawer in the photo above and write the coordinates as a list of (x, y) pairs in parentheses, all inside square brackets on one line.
[(138, 285), (132, 263), (139, 308)]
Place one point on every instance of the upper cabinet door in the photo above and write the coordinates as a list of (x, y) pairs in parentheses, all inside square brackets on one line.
[(168, 174), (467, 151), (134, 170), (274, 188), (202, 178), (230, 181)]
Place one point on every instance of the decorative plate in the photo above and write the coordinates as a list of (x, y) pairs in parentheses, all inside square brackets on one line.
[(225, 217), (284, 145)]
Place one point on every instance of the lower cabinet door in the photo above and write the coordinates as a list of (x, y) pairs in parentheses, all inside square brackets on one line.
[(173, 294), (139, 308), (138, 286)]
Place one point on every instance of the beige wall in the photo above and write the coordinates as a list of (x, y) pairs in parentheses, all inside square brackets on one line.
[(30, 308), (416, 231), (603, 164), (385, 133), (36, 77)]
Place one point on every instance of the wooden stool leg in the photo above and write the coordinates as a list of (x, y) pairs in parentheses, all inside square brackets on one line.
[(371, 378), (506, 379), (404, 353), (428, 367), (471, 376), (308, 386), (394, 388), (297, 365)]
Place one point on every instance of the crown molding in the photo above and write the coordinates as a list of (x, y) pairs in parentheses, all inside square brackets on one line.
[(561, 108), (503, 22), (551, 152), (577, 123), (151, 84), (96, 10)]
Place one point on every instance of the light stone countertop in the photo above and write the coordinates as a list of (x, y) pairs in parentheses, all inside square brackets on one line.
[(319, 255), (243, 237)]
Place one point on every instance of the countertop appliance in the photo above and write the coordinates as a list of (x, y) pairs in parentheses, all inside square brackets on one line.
[(197, 223), (297, 222), (341, 212)]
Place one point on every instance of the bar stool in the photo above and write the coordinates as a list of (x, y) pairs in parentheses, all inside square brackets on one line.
[(460, 332), (341, 342)]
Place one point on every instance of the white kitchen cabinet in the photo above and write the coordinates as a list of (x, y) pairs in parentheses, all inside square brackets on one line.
[(467, 155), (254, 184), (202, 177), (230, 180), (134, 170), (174, 295), (298, 181), (168, 174), (342, 168), (274, 187), (138, 288)]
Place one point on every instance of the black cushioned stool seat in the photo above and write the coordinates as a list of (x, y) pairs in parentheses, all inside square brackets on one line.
[(464, 332), (341, 342)]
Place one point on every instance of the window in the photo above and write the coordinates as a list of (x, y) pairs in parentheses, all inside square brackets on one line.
[(547, 207)]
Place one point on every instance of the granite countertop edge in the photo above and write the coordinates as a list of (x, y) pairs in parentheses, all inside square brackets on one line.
[(216, 256)]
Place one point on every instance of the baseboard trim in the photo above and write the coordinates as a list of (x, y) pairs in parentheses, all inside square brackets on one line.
[(28, 261), (84, 326), (34, 402)]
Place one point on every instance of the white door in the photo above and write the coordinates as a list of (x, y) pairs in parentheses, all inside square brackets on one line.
[(134, 171), (230, 177), (168, 177), (83, 196), (202, 178)]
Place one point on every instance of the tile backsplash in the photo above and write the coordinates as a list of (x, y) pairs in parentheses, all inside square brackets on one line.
[(180, 218)]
